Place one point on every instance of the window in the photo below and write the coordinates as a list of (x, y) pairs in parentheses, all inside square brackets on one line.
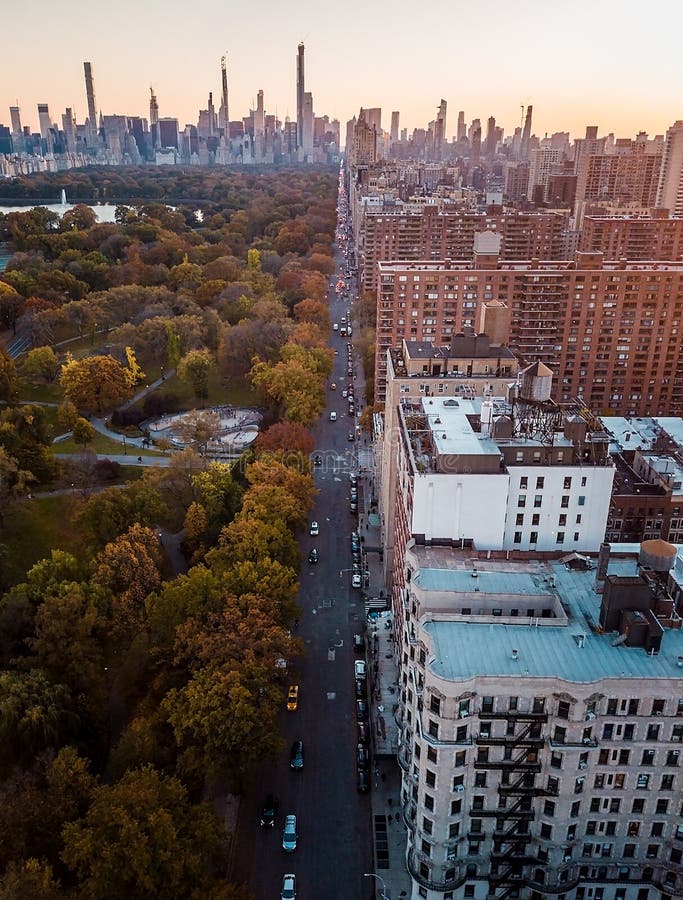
[(564, 503), (662, 807), (549, 808), (652, 851), (433, 729), (563, 709), (567, 486), (575, 809), (538, 501), (430, 778), (667, 783), (582, 500), (643, 781), (559, 734), (429, 802), (535, 519), (657, 707), (435, 705), (460, 758), (648, 758), (458, 782), (657, 829), (560, 537), (431, 754), (521, 501), (426, 848), (517, 538), (456, 806), (540, 483), (523, 483), (520, 519), (453, 830), (556, 760), (638, 805), (629, 850), (427, 825), (546, 831), (652, 733), (533, 537), (480, 779), (562, 520), (672, 757)]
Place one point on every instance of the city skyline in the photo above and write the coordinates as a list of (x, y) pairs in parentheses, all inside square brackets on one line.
[(384, 64)]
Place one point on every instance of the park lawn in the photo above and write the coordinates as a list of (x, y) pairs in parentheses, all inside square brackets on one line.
[(238, 393), (32, 529), (103, 444), (38, 392)]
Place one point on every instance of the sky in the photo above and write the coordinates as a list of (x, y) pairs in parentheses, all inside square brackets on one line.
[(617, 65)]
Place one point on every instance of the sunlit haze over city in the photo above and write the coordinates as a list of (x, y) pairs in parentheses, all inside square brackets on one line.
[(588, 63)]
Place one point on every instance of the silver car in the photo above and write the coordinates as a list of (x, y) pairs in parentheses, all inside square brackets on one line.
[(289, 834)]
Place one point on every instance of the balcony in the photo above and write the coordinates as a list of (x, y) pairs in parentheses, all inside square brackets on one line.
[(404, 757), (449, 882), (517, 765), (409, 812)]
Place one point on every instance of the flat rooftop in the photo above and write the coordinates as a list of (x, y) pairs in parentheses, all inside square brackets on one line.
[(465, 649), (476, 350), (632, 433)]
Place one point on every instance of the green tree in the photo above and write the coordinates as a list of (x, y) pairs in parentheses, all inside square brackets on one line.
[(42, 362), (141, 838), (194, 595), (194, 368), (250, 539), (35, 715), (11, 303), (224, 722)]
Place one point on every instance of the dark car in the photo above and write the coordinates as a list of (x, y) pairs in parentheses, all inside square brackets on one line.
[(313, 556), (318, 460), (358, 643), (362, 710), (360, 688), (362, 757), (350, 438), (363, 733), (353, 506), (269, 811), (363, 781), (296, 756)]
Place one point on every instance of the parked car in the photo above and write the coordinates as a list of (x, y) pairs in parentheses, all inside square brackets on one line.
[(269, 811), (358, 643), (313, 556), (296, 755), (361, 710), (353, 506), (362, 757), (362, 781), (363, 732), (360, 670), (359, 687), (293, 697), (288, 891), (289, 835), (314, 530), (356, 581)]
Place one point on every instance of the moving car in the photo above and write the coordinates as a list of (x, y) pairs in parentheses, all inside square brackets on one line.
[(318, 460), (356, 581), (269, 811), (288, 887), (333, 416), (296, 755), (333, 386), (314, 530), (358, 643), (350, 438), (335, 327), (289, 834), (293, 697), (313, 556)]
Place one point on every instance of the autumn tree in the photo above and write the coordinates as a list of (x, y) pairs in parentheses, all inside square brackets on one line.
[(32, 878), (292, 387), (268, 471), (286, 437), (83, 432), (14, 482), (142, 838), (94, 384), (248, 538), (110, 513), (313, 311), (8, 376), (11, 303), (198, 428)]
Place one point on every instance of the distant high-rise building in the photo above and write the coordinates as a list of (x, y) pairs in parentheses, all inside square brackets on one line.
[(212, 116), (69, 129), (300, 95), (363, 149), (670, 187), (490, 146), (224, 114), (90, 96), (541, 165), (168, 132), (374, 119), (15, 117), (394, 127), (307, 144), (154, 119), (44, 121), (462, 128), (526, 134), (440, 130)]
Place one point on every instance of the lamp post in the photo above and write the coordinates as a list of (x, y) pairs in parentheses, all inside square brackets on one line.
[(381, 881)]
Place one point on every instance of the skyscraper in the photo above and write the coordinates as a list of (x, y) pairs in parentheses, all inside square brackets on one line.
[(224, 114), (154, 118), (308, 126), (15, 116), (69, 129), (44, 121), (462, 129), (300, 96), (670, 187), (394, 127), (90, 96), (526, 134)]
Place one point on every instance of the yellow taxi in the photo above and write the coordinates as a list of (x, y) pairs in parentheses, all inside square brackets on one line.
[(293, 697)]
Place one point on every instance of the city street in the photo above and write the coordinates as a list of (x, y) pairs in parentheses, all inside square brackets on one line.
[(333, 820)]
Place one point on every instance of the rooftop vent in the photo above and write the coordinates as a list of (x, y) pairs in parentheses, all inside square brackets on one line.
[(515, 654)]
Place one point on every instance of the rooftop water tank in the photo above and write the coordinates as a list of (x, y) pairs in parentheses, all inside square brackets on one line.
[(657, 555)]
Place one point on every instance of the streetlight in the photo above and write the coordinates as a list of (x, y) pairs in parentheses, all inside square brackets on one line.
[(381, 881)]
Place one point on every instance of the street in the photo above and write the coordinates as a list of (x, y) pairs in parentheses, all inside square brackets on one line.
[(333, 820)]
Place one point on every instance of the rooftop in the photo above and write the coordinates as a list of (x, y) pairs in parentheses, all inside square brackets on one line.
[(550, 267), (570, 647), (476, 348)]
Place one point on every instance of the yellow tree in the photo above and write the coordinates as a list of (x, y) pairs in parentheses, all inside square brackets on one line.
[(134, 373), (94, 384)]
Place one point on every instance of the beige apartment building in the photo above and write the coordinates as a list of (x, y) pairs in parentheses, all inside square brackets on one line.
[(541, 723), (610, 330), (655, 236)]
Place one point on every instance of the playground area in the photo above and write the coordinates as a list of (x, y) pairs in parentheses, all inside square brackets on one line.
[(231, 430)]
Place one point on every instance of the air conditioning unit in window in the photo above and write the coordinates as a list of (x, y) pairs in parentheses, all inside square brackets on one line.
[(463, 714), (590, 716), (583, 765), (460, 788), (588, 740)]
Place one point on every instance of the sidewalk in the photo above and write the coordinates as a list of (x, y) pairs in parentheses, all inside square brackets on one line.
[(389, 831)]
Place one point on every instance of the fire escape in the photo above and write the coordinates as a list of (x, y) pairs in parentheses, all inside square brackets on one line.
[(518, 787)]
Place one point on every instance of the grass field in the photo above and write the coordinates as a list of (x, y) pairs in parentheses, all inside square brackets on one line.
[(103, 444)]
